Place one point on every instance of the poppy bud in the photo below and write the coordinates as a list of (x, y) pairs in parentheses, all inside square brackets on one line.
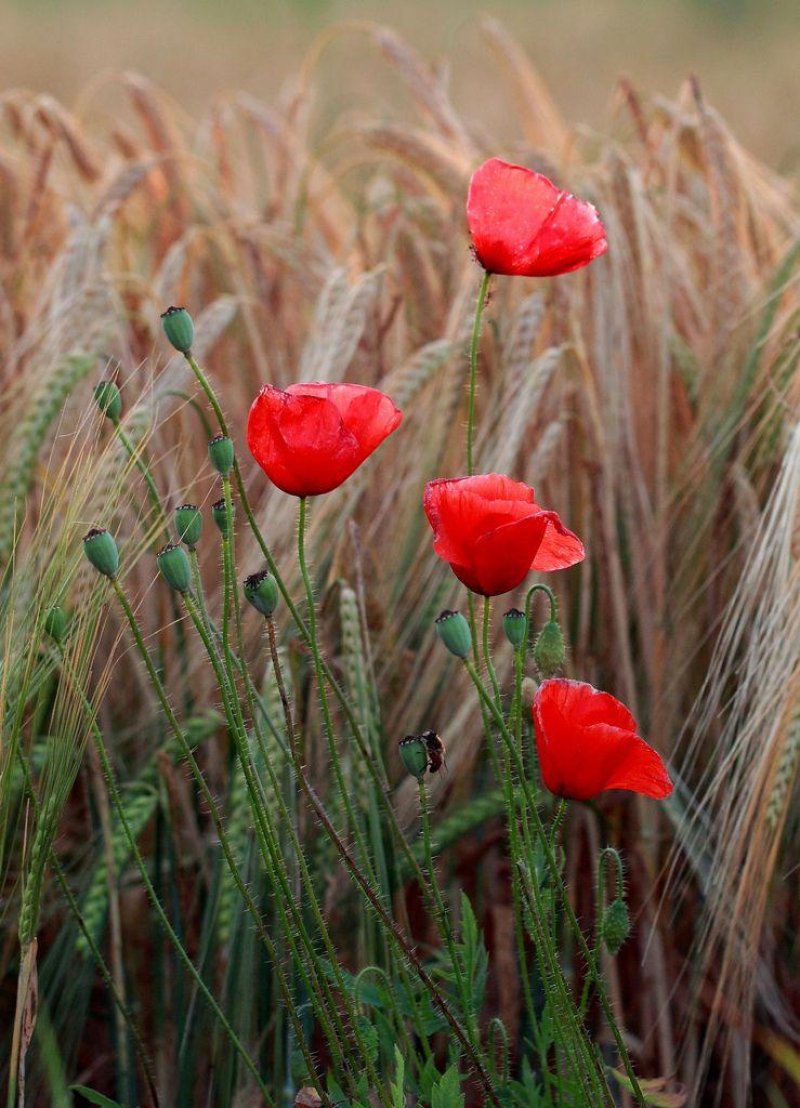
[(414, 755), (101, 550), (515, 624), (108, 399), (179, 328), (261, 589), (56, 622), (616, 925), (173, 565), (188, 524), (220, 451), (549, 651), (219, 513), (528, 692), (453, 629)]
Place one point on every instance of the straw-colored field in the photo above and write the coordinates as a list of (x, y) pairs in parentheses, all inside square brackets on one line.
[(653, 398)]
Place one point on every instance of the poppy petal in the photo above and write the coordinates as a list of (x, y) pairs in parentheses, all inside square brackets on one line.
[(521, 224), (492, 532), (311, 437), (501, 558), (559, 548), (588, 743)]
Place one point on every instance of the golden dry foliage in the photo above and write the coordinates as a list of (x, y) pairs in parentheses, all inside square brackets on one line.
[(650, 399)]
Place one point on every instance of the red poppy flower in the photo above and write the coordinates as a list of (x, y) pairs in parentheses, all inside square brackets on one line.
[(309, 438), (523, 226), (492, 532), (588, 742)]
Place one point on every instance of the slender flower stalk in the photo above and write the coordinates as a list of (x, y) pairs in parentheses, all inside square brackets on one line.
[(353, 821), (483, 294), (268, 838), (558, 884), (108, 772), (213, 809), (389, 813), (392, 928), (442, 917), (269, 849)]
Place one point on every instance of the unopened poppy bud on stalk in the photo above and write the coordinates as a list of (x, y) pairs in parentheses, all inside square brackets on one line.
[(189, 524), (173, 565), (219, 514), (56, 622), (453, 629), (515, 624), (179, 328), (108, 399), (101, 550), (549, 651), (220, 451), (616, 925), (414, 755), (261, 590)]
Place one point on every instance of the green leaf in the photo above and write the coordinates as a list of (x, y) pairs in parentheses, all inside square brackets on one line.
[(399, 1083), (94, 1097), (446, 1093)]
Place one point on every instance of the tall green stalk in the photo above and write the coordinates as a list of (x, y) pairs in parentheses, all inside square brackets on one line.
[(483, 293), (558, 884)]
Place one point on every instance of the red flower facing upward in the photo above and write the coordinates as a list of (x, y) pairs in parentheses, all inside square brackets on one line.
[(309, 438), (492, 532), (588, 742), (523, 226)]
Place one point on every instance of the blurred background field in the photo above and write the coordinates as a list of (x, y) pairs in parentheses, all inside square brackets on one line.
[(743, 51), (309, 209)]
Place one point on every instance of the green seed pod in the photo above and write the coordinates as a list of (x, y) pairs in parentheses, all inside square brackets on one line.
[(453, 629), (261, 589), (515, 624), (414, 755), (173, 565), (549, 651), (108, 399), (616, 925), (220, 451), (56, 622), (189, 524), (101, 550), (179, 328), (220, 515)]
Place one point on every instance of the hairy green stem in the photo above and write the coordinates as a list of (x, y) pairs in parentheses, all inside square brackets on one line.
[(145, 876), (363, 747), (559, 886), (473, 367), (441, 916), (212, 808)]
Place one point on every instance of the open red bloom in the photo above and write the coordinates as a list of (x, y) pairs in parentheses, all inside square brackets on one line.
[(588, 742), (309, 438), (492, 532), (523, 226)]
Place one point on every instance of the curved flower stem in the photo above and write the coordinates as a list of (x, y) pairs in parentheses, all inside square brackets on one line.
[(473, 367), (327, 722), (402, 944), (211, 804), (487, 651), (74, 907), (152, 489), (151, 892), (268, 839), (558, 885), (442, 919), (299, 770), (267, 845), (363, 747)]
